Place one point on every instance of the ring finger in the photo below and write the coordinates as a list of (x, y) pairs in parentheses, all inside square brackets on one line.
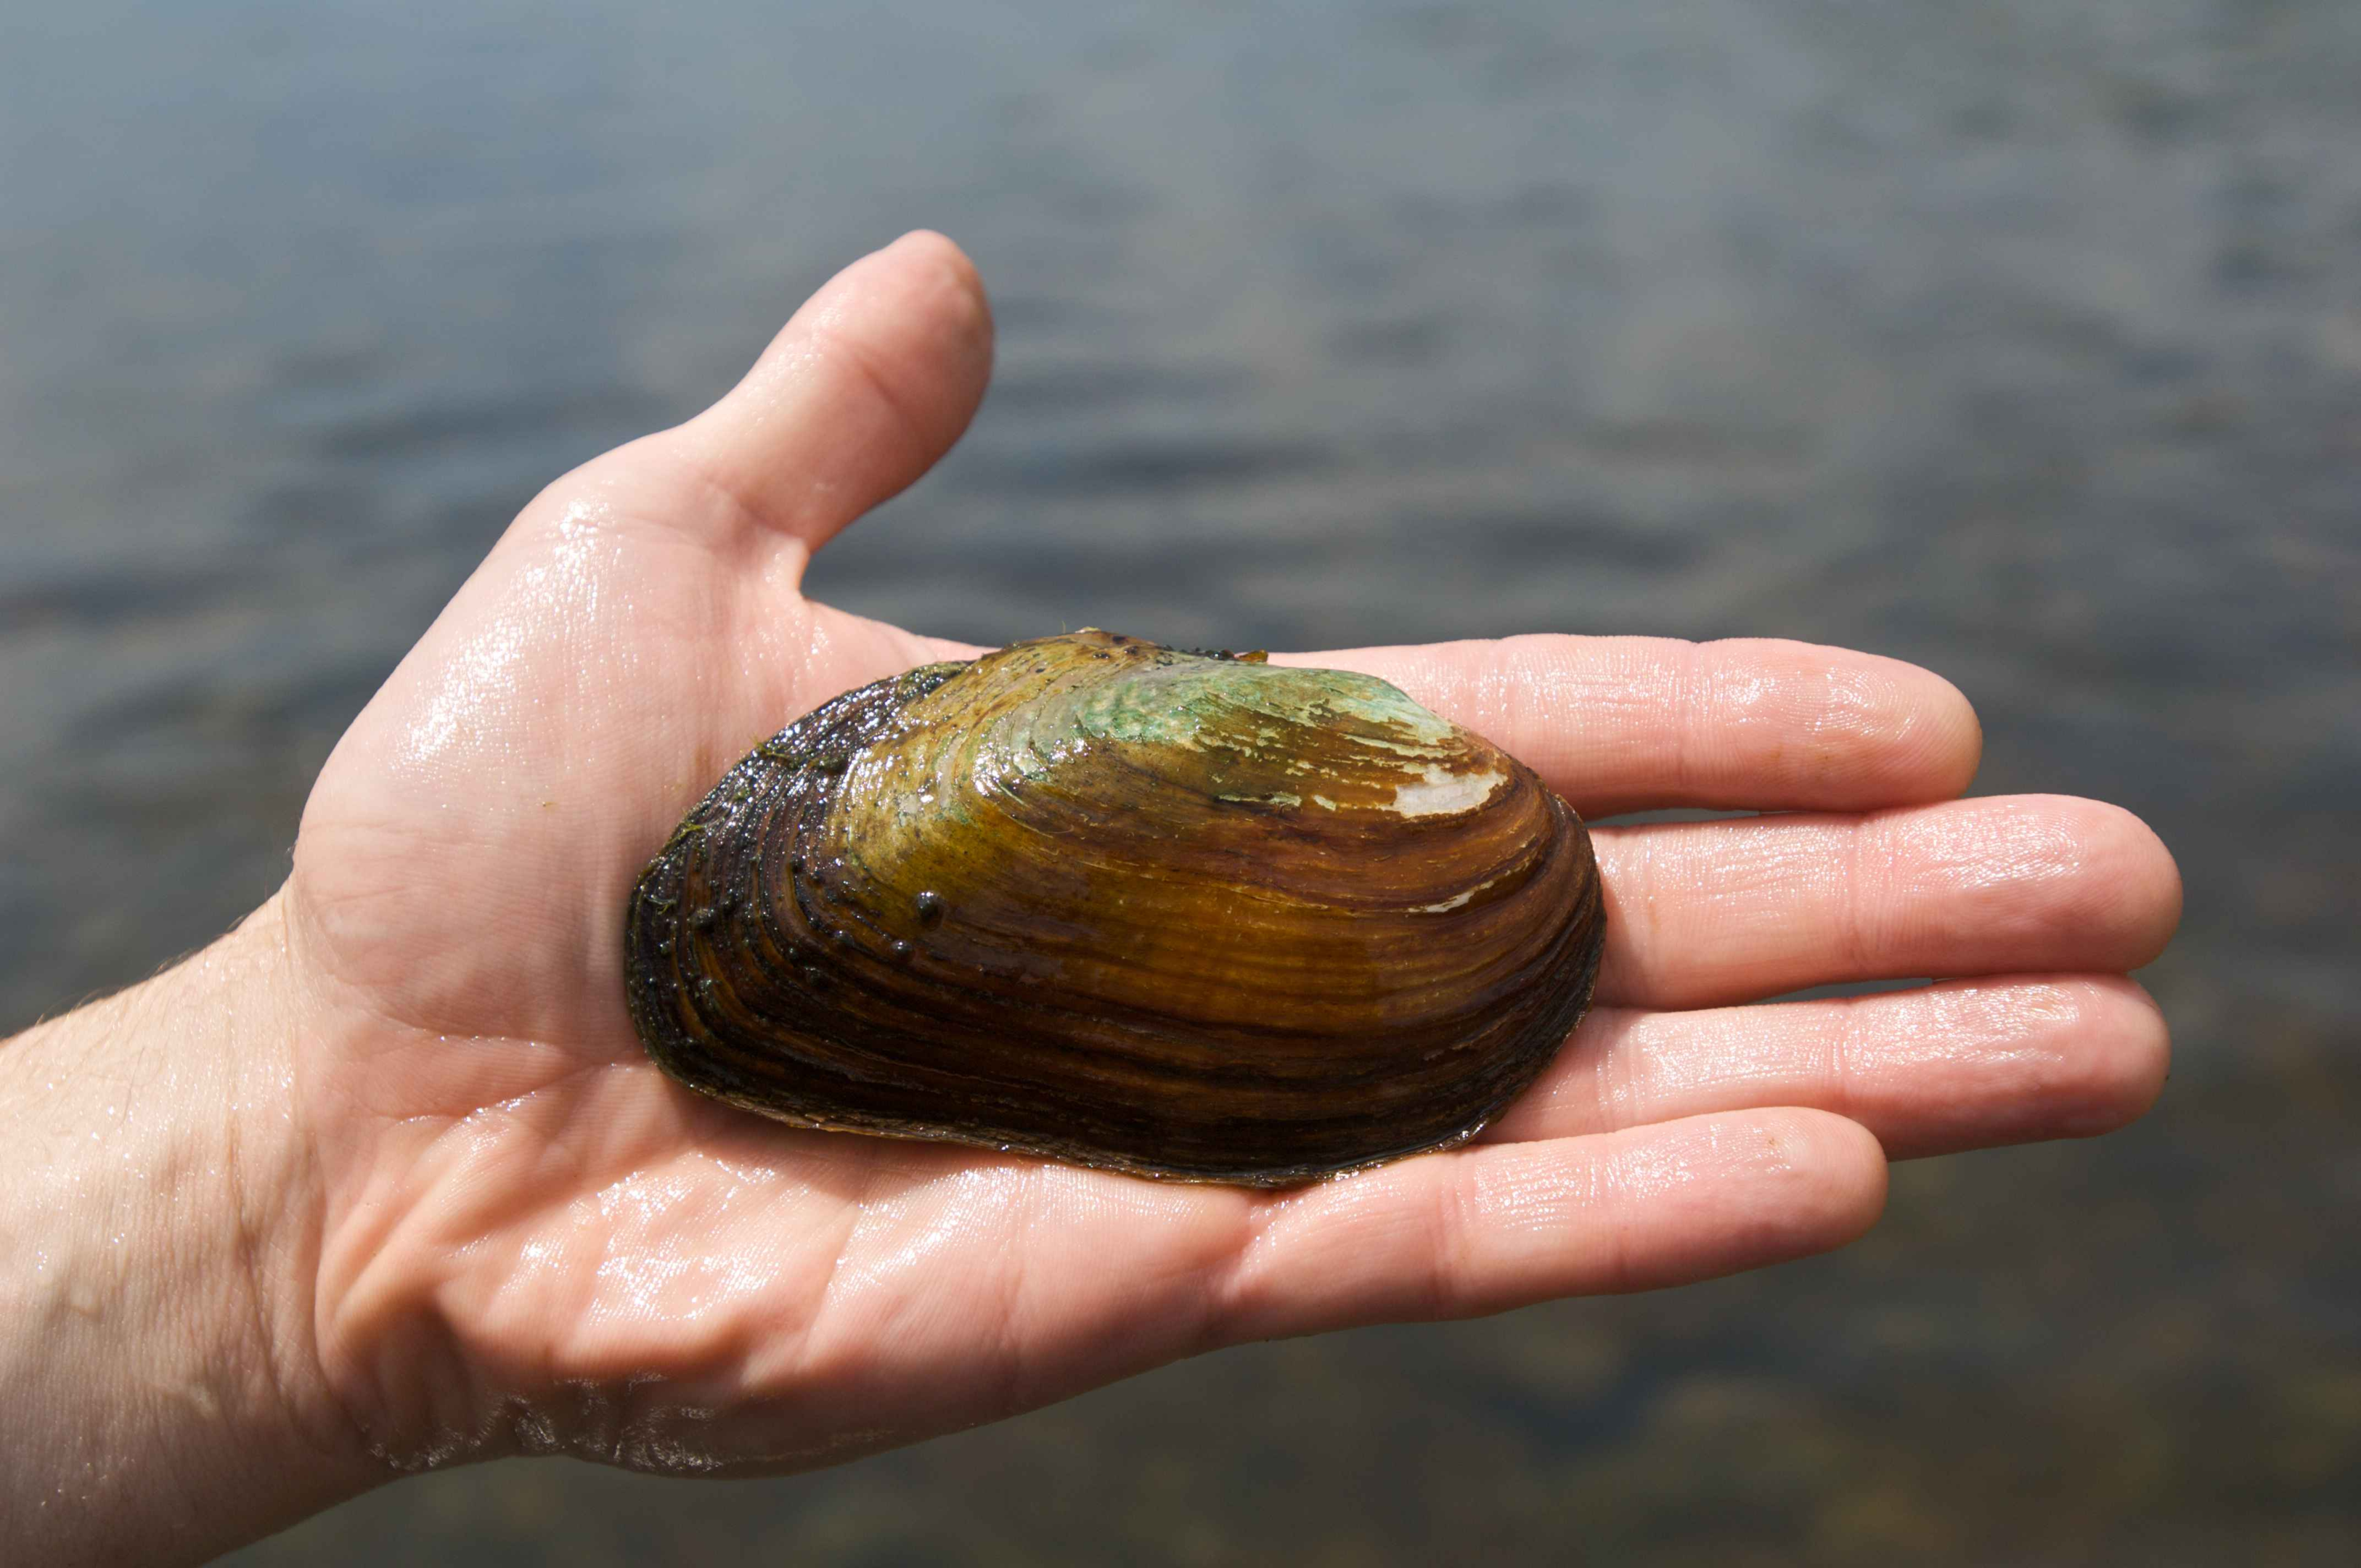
[(1965, 1064), (1700, 913)]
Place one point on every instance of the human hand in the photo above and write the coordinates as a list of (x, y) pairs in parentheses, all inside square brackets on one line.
[(497, 1228)]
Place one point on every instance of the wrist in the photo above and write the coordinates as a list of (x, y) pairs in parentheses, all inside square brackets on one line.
[(159, 1238)]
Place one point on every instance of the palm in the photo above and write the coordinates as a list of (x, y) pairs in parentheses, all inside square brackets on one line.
[(532, 1238)]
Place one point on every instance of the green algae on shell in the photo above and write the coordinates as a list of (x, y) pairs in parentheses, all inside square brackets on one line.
[(1187, 915)]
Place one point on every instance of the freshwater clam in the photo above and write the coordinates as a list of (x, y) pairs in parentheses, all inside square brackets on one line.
[(1187, 915)]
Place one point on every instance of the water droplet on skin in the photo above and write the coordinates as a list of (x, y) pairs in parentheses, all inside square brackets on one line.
[(901, 950), (931, 907)]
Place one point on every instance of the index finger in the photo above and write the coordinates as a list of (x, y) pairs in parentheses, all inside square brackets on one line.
[(1634, 723)]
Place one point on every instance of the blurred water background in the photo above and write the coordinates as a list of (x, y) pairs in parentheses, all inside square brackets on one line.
[(2021, 338)]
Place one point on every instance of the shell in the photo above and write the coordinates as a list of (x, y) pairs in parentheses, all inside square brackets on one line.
[(1186, 916)]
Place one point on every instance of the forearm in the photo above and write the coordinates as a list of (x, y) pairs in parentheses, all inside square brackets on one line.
[(157, 1394)]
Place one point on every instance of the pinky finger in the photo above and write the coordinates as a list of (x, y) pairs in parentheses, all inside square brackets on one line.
[(1503, 1225)]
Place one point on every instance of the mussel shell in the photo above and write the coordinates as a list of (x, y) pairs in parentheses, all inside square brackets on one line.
[(1179, 914)]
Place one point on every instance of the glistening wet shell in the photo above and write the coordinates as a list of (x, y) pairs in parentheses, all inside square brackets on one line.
[(1182, 915)]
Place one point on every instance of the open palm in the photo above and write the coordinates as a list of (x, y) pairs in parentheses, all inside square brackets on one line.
[(530, 1239)]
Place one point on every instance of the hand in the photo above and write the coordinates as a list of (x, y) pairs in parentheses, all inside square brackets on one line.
[(500, 1229)]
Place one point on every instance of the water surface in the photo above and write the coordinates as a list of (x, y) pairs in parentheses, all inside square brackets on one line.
[(2019, 338)]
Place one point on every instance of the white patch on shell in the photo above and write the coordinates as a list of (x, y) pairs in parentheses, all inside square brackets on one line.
[(1445, 793), (1454, 901)]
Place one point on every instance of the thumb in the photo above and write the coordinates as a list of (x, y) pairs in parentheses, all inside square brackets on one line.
[(870, 382)]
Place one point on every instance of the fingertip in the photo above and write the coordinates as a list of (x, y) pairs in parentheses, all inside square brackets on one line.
[(1913, 733), (2137, 876), (2170, 895), (2126, 1056), (933, 247), (913, 321), (861, 391), (1835, 1173), (1956, 736), (939, 283), (1736, 1191)]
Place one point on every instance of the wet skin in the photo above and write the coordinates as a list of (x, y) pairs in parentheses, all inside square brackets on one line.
[(513, 1203)]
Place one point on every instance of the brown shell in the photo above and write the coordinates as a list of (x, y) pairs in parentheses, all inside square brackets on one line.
[(1181, 915)]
